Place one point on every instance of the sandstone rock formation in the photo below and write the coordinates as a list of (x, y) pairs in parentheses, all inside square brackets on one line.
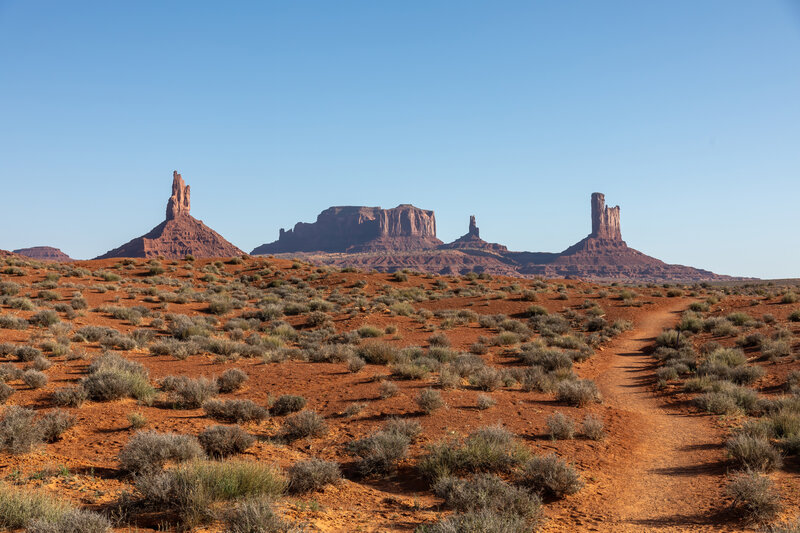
[(178, 203), (353, 229), (179, 235), (45, 253), (602, 255), (472, 240)]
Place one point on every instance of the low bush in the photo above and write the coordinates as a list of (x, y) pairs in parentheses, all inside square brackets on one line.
[(753, 453), (387, 389), (485, 402), (191, 393), (489, 492), (53, 423), (190, 490), (71, 521), (578, 393), (379, 453), (487, 449), (235, 410), (5, 392), (560, 427), (303, 424), (548, 475), (312, 475), (112, 377), (38, 512), (71, 396), (257, 516), (34, 379), (148, 451), (287, 403), (482, 521), (378, 353), (593, 428), (755, 496), (231, 380), (429, 400), (224, 441), (19, 432)]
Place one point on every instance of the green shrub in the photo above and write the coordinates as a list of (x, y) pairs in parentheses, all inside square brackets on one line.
[(379, 453), (482, 521)]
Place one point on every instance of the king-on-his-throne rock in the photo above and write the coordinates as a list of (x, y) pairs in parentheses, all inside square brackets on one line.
[(179, 235), (405, 237)]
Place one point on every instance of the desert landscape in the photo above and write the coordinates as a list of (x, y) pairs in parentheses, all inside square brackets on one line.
[(384, 267), (210, 394)]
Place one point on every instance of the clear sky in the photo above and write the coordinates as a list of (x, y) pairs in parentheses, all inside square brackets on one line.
[(684, 112)]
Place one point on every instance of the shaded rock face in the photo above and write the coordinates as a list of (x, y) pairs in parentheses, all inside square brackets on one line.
[(45, 253), (354, 229), (179, 235), (178, 203), (473, 228), (472, 240)]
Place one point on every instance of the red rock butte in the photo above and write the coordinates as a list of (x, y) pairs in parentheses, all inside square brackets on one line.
[(179, 235), (354, 229), (405, 237)]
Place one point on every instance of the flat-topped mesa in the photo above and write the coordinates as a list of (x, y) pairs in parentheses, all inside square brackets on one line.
[(179, 202), (359, 229), (605, 220)]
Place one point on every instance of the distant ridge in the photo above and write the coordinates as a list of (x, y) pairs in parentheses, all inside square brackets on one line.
[(602, 255), (179, 235), (45, 253)]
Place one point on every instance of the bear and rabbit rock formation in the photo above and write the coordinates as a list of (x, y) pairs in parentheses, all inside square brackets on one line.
[(179, 235)]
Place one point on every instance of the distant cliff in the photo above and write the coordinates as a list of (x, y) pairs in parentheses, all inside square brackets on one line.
[(353, 229), (363, 237), (44, 253)]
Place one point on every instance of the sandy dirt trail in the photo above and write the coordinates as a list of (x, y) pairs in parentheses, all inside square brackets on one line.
[(666, 468)]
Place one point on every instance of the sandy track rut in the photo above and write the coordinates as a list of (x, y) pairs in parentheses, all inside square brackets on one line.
[(666, 473)]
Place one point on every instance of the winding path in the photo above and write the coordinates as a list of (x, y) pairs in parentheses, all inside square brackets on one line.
[(666, 471)]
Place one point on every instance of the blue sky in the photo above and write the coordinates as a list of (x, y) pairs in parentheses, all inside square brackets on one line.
[(685, 113)]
